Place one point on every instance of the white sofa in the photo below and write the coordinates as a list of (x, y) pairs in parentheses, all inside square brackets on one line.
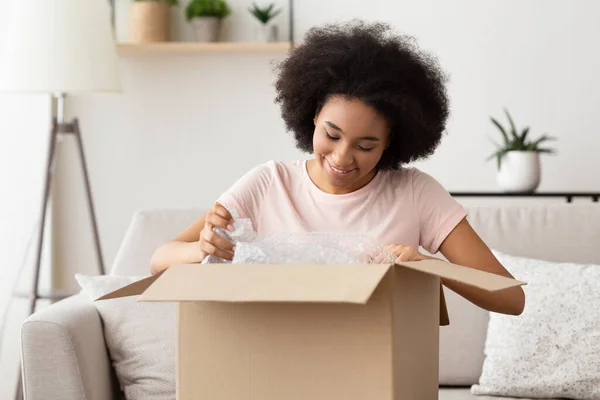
[(65, 356)]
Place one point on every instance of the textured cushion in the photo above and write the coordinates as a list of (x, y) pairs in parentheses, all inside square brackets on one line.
[(553, 349), (557, 232), (462, 342), (140, 338), (452, 393), (148, 230)]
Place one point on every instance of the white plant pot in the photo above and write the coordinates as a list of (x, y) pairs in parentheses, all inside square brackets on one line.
[(207, 28), (265, 33), (519, 172)]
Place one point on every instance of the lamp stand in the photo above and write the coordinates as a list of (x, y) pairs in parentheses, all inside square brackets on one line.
[(59, 127)]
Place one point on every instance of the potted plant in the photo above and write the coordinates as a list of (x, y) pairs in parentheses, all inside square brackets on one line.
[(518, 158), (150, 20), (206, 17), (265, 31)]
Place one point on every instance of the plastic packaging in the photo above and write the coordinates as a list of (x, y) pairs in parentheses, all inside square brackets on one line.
[(292, 248)]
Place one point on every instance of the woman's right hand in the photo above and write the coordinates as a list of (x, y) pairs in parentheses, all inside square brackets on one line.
[(210, 241)]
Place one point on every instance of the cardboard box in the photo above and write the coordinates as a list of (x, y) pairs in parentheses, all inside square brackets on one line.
[(308, 332)]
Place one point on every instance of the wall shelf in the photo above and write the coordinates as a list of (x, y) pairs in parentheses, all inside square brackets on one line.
[(196, 47), (595, 196)]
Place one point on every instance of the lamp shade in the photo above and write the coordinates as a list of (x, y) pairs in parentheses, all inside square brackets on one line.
[(60, 46)]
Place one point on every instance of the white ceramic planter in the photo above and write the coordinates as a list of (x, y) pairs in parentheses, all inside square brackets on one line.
[(207, 28), (519, 172), (266, 33)]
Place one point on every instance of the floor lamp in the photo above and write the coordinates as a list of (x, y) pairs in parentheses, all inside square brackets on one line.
[(60, 47)]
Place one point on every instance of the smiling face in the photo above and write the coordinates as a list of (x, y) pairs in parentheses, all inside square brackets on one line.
[(348, 141)]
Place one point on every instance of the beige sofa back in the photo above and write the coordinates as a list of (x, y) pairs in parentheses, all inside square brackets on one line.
[(563, 232), (569, 232)]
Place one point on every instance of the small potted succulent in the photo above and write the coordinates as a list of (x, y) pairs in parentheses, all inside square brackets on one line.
[(265, 30), (150, 20), (518, 158), (206, 17)]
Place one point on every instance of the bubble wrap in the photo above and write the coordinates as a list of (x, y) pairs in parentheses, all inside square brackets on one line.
[(291, 248)]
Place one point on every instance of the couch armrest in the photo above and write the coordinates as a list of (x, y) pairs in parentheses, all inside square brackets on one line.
[(63, 353)]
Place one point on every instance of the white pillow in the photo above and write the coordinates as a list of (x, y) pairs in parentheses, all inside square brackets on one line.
[(140, 338), (552, 350)]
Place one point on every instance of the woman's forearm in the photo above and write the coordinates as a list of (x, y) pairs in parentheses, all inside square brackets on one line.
[(508, 301), (175, 252), (463, 246)]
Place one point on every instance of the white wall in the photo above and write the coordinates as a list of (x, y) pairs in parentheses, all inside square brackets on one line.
[(23, 143), (187, 126)]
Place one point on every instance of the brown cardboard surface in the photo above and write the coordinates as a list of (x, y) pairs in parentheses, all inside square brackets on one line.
[(385, 349), (133, 289), (304, 331), (350, 283), (469, 276), (291, 351), (416, 320)]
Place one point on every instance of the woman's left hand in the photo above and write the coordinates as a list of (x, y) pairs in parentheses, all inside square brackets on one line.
[(406, 253)]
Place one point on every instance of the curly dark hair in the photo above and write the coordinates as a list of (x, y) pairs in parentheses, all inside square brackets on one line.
[(367, 62)]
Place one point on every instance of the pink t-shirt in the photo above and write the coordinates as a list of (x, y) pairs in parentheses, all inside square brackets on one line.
[(406, 206)]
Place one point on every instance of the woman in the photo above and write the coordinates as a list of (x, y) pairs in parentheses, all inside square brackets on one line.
[(364, 103)]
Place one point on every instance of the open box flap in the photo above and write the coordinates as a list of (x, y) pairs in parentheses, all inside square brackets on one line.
[(348, 283), (469, 276), (133, 289)]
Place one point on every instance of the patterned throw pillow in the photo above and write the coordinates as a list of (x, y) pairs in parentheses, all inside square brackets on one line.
[(552, 350), (140, 337)]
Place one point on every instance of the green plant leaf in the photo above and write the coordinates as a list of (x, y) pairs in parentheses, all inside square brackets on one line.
[(541, 139), (494, 154), (167, 2), (496, 145), (207, 8), (524, 135), (513, 129), (265, 14), (517, 145), (498, 156), (502, 130), (545, 150), (546, 137)]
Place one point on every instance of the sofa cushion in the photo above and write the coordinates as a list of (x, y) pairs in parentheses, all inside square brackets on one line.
[(148, 230), (452, 393), (522, 231), (527, 231), (552, 350), (140, 336), (503, 228)]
